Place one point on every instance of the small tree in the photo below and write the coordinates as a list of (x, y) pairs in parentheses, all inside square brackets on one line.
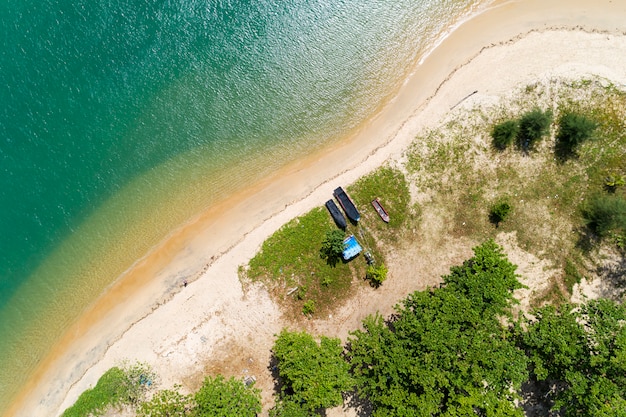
[(219, 397), (499, 212), (606, 214), (332, 246), (377, 274), (532, 126), (504, 133), (574, 129)]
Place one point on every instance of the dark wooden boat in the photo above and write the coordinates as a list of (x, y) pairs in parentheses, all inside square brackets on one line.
[(340, 221), (347, 204), (380, 210)]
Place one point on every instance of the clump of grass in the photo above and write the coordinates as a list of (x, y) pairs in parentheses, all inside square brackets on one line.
[(308, 308)]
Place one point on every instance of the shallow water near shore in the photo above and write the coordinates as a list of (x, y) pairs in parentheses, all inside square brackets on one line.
[(120, 122)]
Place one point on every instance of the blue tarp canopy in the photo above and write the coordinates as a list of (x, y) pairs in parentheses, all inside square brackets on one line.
[(352, 248)]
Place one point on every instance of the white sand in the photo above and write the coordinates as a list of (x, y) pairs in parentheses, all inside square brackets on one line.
[(508, 46)]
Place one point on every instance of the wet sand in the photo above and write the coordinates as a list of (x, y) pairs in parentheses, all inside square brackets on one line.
[(148, 314)]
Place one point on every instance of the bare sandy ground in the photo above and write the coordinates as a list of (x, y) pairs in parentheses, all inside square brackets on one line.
[(212, 324)]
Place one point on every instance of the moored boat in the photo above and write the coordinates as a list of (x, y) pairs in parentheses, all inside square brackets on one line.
[(380, 210), (340, 221), (347, 204)]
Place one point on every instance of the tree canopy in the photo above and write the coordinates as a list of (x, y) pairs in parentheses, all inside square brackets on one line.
[(582, 351), (332, 246), (314, 375), (219, 397), (445, 352)]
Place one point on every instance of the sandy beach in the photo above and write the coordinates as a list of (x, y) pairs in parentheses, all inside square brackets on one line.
[(212, 324)]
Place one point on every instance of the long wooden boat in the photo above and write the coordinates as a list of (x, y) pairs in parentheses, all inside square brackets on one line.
[(347, 204), (380, 210), (340, 221)]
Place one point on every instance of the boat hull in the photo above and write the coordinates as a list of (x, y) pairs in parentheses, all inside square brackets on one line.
[(346, 203)]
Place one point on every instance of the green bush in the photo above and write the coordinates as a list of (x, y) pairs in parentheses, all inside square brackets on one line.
[(606, 214), (504, 133), (499, 212), (308, 307), (313, 375), (219, 397), (574, 129), (167, 403), (532, 126), (613, 180), (377, 274), (332, 246)]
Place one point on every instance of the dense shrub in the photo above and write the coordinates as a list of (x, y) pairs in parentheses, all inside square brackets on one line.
[(605, 214), (574, 129), (332, 246), (499, 212), (313, 375), (377, 274), (504, 133), (532, 126), (219, 397)]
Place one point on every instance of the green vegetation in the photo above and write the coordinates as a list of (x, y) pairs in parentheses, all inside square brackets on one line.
[(432, 360), (606, 215), (574, 129), (313, 375), (377, 274), (582, 352), (308, 308), (461, 349), (503, 134), (290, 258), (499, 212), (613, 181), (391, 187), (333, 246), (219, 397), (167, 403), (533, 125), (126, 385)]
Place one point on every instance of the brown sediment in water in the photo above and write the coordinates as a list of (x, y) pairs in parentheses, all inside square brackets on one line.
[(229, 232)]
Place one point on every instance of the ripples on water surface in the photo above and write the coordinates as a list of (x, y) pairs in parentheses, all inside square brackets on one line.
[(115, 113)]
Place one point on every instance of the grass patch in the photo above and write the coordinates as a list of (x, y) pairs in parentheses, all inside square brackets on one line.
[(126, 385), (291, 258), (571, 275), (461, 176), (391, 187)]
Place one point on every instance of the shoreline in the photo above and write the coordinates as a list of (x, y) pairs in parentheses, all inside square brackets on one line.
[(94, 344)]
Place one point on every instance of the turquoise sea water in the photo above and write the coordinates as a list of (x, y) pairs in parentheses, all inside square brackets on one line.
[(115, 113)]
